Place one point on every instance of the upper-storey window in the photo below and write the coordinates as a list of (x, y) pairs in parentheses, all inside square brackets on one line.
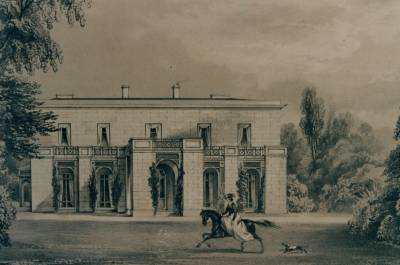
[(244, 134), (64, 133), (103, 134), (153, 130), (204, 132)]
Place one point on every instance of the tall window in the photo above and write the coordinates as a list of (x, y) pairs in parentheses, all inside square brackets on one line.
[(64, 134), (103, 134), (67, 192), (244, 134), (105, 201), (253, 185), (204, 132), (153, 130), (211, 188)]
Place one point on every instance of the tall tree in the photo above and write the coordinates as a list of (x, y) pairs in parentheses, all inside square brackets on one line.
[(312, 122), (21, 120), (295, 148), (25, 32), (26, 45)]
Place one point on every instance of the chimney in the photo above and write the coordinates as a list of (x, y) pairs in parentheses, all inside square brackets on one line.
[(175, 90), (125, 91)]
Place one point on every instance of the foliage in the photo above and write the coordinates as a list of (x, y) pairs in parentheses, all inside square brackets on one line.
[(179, 192), (20, 119), (153, 182), (92, 187), (26, 42), (295, 148), (297, 196), (116, 189), (242, 190), (13, 188), (55, 183), (367, 215), (261, 196), (7, 215), (26, 45), (312, 122), (377, 216)]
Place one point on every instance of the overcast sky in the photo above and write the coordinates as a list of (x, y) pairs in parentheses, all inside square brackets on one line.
[(349, 50)]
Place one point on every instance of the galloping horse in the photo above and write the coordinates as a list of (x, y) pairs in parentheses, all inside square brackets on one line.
[(218, 231)]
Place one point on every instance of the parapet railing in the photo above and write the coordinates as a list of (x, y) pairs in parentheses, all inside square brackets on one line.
[(84, 150), (214, 151), (251, 151)]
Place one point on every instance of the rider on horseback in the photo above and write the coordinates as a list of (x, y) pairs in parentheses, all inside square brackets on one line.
[(232, 221)]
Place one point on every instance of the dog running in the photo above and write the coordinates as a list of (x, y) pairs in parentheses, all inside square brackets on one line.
[(293, 249)]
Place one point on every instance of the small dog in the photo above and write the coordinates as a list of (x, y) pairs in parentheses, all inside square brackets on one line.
[(293, 249)]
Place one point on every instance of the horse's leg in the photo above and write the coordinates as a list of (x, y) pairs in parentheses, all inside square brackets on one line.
[(256, 237), (242, 246), (207, 237), (205, 234)]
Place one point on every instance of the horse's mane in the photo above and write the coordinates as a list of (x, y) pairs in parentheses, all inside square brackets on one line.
[(210, 210)]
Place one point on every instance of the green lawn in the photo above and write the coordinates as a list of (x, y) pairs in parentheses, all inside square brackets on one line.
[(93, 242)]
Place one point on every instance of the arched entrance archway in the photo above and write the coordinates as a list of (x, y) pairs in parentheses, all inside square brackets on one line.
[(211, 186), (254, 188), (168, 174)]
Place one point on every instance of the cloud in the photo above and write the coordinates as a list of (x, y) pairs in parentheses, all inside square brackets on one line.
[(257, 49)]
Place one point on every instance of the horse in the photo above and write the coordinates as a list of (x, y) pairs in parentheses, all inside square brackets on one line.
[(218, 231)]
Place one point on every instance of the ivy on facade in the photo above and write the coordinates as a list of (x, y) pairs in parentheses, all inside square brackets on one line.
[(55, 183), (179, 192), (92, 187), (242, 190), (117, 188), (153, 182)]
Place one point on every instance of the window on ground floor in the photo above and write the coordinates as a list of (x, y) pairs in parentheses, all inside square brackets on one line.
[(67, 188)]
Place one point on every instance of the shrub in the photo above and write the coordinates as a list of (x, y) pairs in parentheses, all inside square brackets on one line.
[(179, 192), (7, 215), (367, 214), (55, 183), (297, 196), (377, 215), (13, 189), (92, 187), (242, 190), (153, 182), (116, 189), (260, 196)]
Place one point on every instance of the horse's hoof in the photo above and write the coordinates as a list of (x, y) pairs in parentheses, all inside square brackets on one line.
[(209, 245), (198, 245)]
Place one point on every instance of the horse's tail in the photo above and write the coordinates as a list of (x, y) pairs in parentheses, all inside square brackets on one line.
[(265, 223)]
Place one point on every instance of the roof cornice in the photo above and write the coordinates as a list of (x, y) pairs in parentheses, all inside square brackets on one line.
[(161, 103)]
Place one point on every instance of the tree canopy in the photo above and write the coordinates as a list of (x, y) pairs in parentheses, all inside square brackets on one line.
[(26, 43)]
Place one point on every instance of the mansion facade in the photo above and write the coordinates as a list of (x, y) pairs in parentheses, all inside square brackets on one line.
[(211, 139)]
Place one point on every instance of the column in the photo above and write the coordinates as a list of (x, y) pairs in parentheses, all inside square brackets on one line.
[(231, 169), (85, 170), (193, 178), (142, 159), (275, 180), (42, 190)]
